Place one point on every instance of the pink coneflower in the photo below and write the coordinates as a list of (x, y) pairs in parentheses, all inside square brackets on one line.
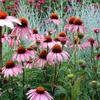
[(11, 69), (36, 36), (13, 41), (98, 56), (3, 1), (79, 26), (54, 18), (4, 38), (31, 52), (75, 25), (70, 24), (90, 43), (38, 94), (64, 39), (22, 30), (21, 55), (41, 61), (29, 64), (57, 55), (57, 40), (48, 42), (6, 20), (42, 1)]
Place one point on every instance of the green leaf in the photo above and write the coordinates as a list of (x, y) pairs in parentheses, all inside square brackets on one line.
[(60, 91), (76, 89)]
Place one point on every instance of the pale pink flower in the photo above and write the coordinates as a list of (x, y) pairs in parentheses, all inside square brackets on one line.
[(13, 41), (47, 43), (3, 1), (57, 55), (79, 26), (21, 55), (4, 38), (41, 60), (38, 94), (23, 30), (42, 1), (75, 25), (57, 40), (31, 52), (63, 38), (70, 25), (90, 42), (28, 64), (36, 36), (54, 18), (11, 69), (6, 20)]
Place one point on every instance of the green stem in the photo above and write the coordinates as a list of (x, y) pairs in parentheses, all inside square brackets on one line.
[(54, 79), (1, 63), (91, 54), (75, 55), (45, 73), (92, 57), (23, 81), (12, 85), (1, 45), (97, 41)]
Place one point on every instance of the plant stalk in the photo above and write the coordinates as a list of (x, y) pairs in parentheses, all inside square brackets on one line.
[(23, 81), (0, 45)]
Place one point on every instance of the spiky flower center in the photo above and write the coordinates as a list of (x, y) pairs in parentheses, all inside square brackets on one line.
[(48, 39), (56, 39), (34, 31), (71, 19), (57, 48), (43, 54), (3, 36), (78, 21), (40, 90), (62, 34), (98, 55), (21, 50), (91, 40), (97, 30), (3, 15), (10, 64), (54, 16), (24, 22)]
